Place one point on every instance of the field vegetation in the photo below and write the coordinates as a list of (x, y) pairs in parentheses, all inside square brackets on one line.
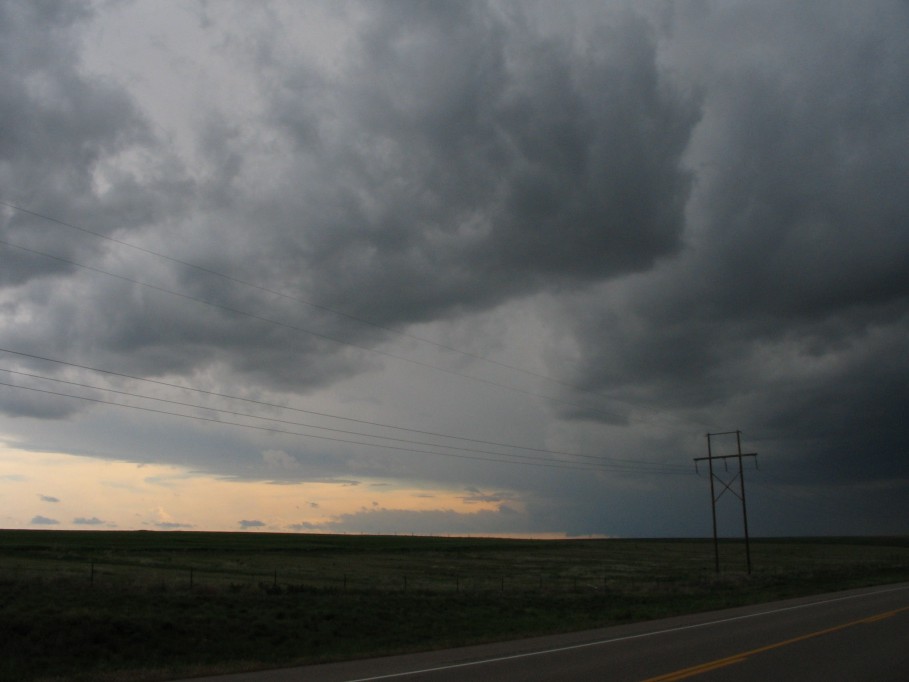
[(150, 606)]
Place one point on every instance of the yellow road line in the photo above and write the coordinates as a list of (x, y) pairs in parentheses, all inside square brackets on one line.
[(740, 657)]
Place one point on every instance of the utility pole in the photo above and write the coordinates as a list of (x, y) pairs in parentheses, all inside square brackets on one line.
[(727, 485)]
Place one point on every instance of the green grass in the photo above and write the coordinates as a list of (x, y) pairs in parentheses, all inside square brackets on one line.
[(155, 605)]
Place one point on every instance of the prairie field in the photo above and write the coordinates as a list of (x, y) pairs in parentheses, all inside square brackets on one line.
[(139, 605)]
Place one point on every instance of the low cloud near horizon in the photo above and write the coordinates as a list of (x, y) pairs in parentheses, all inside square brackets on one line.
[(509, 256), (251, 523), (44, 521)]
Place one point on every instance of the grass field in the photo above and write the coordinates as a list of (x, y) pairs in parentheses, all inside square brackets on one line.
[(111, 606)]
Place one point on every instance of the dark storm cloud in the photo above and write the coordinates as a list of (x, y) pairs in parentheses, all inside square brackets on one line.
[(61, 129), (788, 316), (24, 403), (700, 206), (483, 160), (459, 159), (76, 147)]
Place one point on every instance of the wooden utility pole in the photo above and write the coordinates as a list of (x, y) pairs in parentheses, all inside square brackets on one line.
[(727, 485)]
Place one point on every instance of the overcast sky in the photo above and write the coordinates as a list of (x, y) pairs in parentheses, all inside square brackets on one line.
[(516, 260)]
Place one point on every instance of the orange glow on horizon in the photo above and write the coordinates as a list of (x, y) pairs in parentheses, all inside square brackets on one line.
[(66, 492)]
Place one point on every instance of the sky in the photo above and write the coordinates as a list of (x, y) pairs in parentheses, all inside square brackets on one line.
[(472, 268)]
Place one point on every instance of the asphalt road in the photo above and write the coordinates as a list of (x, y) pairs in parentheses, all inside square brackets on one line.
[(850, 636)]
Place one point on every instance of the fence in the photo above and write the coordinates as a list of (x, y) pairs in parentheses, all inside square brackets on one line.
[(102, 574)]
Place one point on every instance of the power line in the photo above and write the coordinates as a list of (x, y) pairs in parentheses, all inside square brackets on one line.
[(727, 485), (617, 461), (237, 311), (553, 465), (602, 461), (298, 299), (808, 499), (644, 466)]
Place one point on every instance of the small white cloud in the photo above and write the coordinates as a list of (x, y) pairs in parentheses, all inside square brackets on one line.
[(255, 523), (44, 521), (82, 521), (167, 522), (49, 498), (304, 526)]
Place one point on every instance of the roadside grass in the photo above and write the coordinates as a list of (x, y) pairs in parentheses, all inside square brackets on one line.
[(111, 606)]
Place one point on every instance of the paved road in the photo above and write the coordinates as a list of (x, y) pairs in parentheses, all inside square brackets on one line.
[(851, 636)]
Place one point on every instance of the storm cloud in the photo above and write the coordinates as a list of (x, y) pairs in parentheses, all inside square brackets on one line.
[(594, 233), (788, 308)]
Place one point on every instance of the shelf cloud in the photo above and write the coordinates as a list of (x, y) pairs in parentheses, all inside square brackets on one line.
[(472, 247)]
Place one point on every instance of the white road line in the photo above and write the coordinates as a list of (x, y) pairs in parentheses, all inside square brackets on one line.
[(626, 638)]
